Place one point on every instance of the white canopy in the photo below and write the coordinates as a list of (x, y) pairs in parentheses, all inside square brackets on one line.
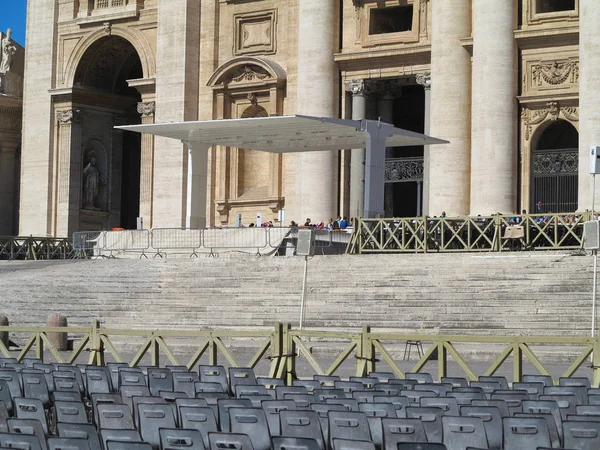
[(284, 134)]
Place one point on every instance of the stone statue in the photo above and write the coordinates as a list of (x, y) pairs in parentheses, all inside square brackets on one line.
[(8, 50), (91, 180)]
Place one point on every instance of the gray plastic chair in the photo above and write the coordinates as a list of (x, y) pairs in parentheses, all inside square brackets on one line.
[(461, 432), (253, 422), (448, 405), (113, 368), (456, 381), (228, 441), (185, 382), (75, 372), (152, 417), (62, 443), (326, 380), (119, 436), (383, 377), (400, 430), (348, 425), (423, 446), (131, 376), (66, 396), (348, 387), (400, 404), (81, 431), (293, 443), (271, 383), (27, 426), (322, 410), (11, 377), (302, 424), (282, 391), (303, 401), (431, 418), (115, 416), (440, 389), (566, 403), (98, 381), (352, 444), (546, 379), (545, 407), (224, 405), (555, 439), (159, 380), (5, 395), (214, 374), (199, 418), (421, 377), (321, 395), (581, 435), (498, 379), (513, 399), (350, 404), (117, 445), (65, 382), (310, 385), (367, 382), (578, 391), (574, 381), (521, 433), (241, 376), (206, 386), (20, 441), (492, 421), (176, 439), (272, 409), (533, 389), (129, 392), (31, 408), (35, 386), (70, 412), (415, 396), (388, 389), (149, 401), (375, 412), (246, 390), (365, 396)]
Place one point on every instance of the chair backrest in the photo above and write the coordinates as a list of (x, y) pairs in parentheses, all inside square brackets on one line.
[(326, 380), (420, 377), (456, 381), (207, 386), (36, 386), (103, 399), (70, 412), (487, 386), (448, 405), (423, 446), (11, 377), (272, 409), (581, 435), (414, 396), (302, 424), (176, 439), (375, 412), (31, 408), (546, 379), (98, 381), (27, 426), (500, 404), (246, 390), (257, 400), (402, 430), (214, 374), (400, 404), (348, 425), (253, 422), (294, 443), (75, 372), (241, 375), (492, 421), (131, 376), (566, 403), (63, 443), (574, 381), (465, 398), (578, 391), (588, 410), (270, 383), (281, 391), (66, 396), (365, 396), (229, 441), (440, 389), (149, 401), (533, 389), (20, 441), (383, 377), (348, 387), (555, 437), (544, 407), (462, 432), (128, 392), (113, 368), (159, 380), (367, 382), (310, 385), (118, 445), (224, 405), (152, 417), (171, 397), (201, 418), (349, 404), (388, 389), (351, 444), (65, 382), (303, 401), (521, 433), (323, 394), (513, 399), (115, 416), (81, 431), (128, 436), (498, 379), (185, 382), (322, 410), (432, 420)]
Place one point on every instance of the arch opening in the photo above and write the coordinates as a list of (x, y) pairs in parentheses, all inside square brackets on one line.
[(554, 169)]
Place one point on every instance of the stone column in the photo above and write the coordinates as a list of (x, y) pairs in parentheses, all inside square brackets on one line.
[(8, 160), (494, 107), (317, 95), (69, 172), (589, 98), (357, 155), (385, 111), (146, 109), (425, 81)]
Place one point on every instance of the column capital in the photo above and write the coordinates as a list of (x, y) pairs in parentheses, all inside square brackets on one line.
[(70, 116), (424, 79), (356, 87), (146, 109)]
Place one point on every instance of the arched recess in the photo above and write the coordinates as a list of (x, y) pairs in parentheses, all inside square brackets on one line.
[(247, 182), (554, 168), (540, 123)]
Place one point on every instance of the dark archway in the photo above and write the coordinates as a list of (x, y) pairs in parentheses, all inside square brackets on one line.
[(102, 78), (554, 169)]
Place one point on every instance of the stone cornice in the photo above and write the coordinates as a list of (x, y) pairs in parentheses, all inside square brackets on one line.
[(547, 37), (366, 58)]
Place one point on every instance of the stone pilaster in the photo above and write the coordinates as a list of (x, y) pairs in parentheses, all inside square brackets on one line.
[(424, 79), (146, 109), (317, 94), (589, 98), (8, 164), (37, 155), (494, 106), (68, 200), (357, 155)]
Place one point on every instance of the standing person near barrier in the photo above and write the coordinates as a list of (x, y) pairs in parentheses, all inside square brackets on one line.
[(343, 223)]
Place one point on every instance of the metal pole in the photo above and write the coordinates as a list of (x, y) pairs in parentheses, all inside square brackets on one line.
[(303, 291), (594, 293), (593, 196)]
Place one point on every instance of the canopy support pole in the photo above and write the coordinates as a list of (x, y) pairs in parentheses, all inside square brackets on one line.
[(374, 168), (197, 179)]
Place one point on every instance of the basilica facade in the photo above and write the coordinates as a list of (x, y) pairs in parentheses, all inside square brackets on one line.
[(513, 85)]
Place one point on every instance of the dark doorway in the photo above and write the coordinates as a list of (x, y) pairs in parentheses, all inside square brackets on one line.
[(554, 170)]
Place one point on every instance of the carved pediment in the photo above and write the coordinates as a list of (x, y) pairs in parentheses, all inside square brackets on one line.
[(248, 73), (247, 70)]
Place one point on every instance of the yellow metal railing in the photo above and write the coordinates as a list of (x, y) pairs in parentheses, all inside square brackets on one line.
[(33, 248), (283, 348), (468, 234)]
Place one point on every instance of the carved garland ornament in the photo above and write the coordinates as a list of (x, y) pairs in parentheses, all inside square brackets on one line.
[(249, 73), (552, 110), (555, 73)]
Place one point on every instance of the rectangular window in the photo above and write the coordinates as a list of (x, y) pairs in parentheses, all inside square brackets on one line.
[(550, 6), (391, 20)]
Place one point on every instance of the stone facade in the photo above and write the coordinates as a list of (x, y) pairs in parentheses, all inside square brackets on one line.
[(500, 80), (11, 112)]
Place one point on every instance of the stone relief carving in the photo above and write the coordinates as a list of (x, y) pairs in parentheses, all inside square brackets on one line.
[(358, 11), (146, 109), (553, 111), (255, 33), (249, 73), (404, 169), (424, 79), (555, 73), (356, 87), (8, 51), (423, 18), (555, 162), (68, 116)]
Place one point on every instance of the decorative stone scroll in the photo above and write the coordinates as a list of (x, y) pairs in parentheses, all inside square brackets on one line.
[(552, 111), (424, 79), (404, 169)]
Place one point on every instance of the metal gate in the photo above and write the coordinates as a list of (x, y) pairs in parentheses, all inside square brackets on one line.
[(554, 180)]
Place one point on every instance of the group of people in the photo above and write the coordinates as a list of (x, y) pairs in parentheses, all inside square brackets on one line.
[(341, 223)]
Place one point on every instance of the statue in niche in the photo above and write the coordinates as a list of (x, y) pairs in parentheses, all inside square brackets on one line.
[(8, 50), (91, 181)]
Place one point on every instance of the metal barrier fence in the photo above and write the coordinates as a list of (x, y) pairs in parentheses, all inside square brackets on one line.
[(282, 347), (494, 233), (160, 242), (33, 248)]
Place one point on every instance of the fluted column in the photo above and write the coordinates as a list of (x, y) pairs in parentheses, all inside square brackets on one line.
[(317, 96), (447, 176), (357, 155), (494, 107), (146, 109), (69, 172), (589, 97)]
